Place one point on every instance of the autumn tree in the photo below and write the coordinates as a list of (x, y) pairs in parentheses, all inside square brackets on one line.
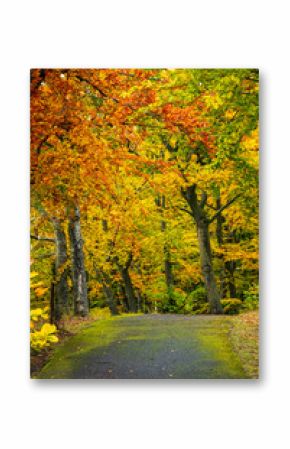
[(123, 162)]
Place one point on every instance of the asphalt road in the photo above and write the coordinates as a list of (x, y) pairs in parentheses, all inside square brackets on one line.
[(148, 347)]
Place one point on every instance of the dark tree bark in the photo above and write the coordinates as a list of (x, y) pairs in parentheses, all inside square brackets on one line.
[(60, 292), (161, 202), (124, 300), (109, 295), (81, 303), (52, 295), (139, 300), (202, 222), (227, 279), (207, 268), (129, 289), (168, 268), (231, 267), (220, 240), (108, 291)]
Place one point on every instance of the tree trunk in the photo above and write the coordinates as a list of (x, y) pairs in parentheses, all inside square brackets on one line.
[(124, 301), (220, 240), (106, 282), (52, 295), (60, 292), (207, 268), (161, 202), (231, 267), (199, 215), (139, 300), (168, 269), (81, 304), (109, 295), (128, 285), (129, 289)]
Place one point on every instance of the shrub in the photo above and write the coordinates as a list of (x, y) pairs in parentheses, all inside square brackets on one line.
[(198, 294), (101, 313), (193, 303), (251, 301), (196, 301), (231, 306), (41, 334), (175, 302), (37, 314), (44, 337), (204, 308)]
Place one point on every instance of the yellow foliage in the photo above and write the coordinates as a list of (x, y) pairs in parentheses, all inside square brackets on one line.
[(230, 113), (44, 337), (100, 313), (213, 100), (40, 291), (37, 284), (36, 314), (38, 287), (251, 142)]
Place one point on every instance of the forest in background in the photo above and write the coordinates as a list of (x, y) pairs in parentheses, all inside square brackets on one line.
[(144, 193)]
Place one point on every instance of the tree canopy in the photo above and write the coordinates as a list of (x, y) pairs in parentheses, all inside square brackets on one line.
[(144, 190)]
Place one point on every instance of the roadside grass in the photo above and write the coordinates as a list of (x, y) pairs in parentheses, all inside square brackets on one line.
[(244, 336)]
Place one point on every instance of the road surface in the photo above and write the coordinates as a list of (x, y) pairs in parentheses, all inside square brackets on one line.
[(148, 347)]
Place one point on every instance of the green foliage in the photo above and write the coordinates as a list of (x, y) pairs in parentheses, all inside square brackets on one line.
[(251, 301), (175, 302), (100, 313), (198, 295), (193, 303), (231, 306), (197, 301), (204, 308)]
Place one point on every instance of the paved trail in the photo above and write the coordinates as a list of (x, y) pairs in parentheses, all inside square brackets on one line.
[(148, 347)]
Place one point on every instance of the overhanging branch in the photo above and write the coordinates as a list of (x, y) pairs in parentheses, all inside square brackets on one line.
[(224, 207), (186, 210)]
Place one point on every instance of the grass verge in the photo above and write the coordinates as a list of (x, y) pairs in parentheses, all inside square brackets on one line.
[(244, 336)]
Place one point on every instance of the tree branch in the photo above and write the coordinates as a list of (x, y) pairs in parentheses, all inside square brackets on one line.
[(224, 207), (45, 239), (44, 256), (129, 261), (186, 210), (169, 147), (82, 79), (211, 207)]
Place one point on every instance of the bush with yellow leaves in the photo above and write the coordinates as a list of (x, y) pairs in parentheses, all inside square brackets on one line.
[(100, 313), (44, 337), (37, 314), (41, 334), (38, 290)]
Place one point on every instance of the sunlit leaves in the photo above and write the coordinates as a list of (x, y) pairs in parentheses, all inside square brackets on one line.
[(111, 141), (44, 337)]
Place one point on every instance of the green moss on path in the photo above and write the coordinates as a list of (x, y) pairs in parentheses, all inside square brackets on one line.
[(148, 347)]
